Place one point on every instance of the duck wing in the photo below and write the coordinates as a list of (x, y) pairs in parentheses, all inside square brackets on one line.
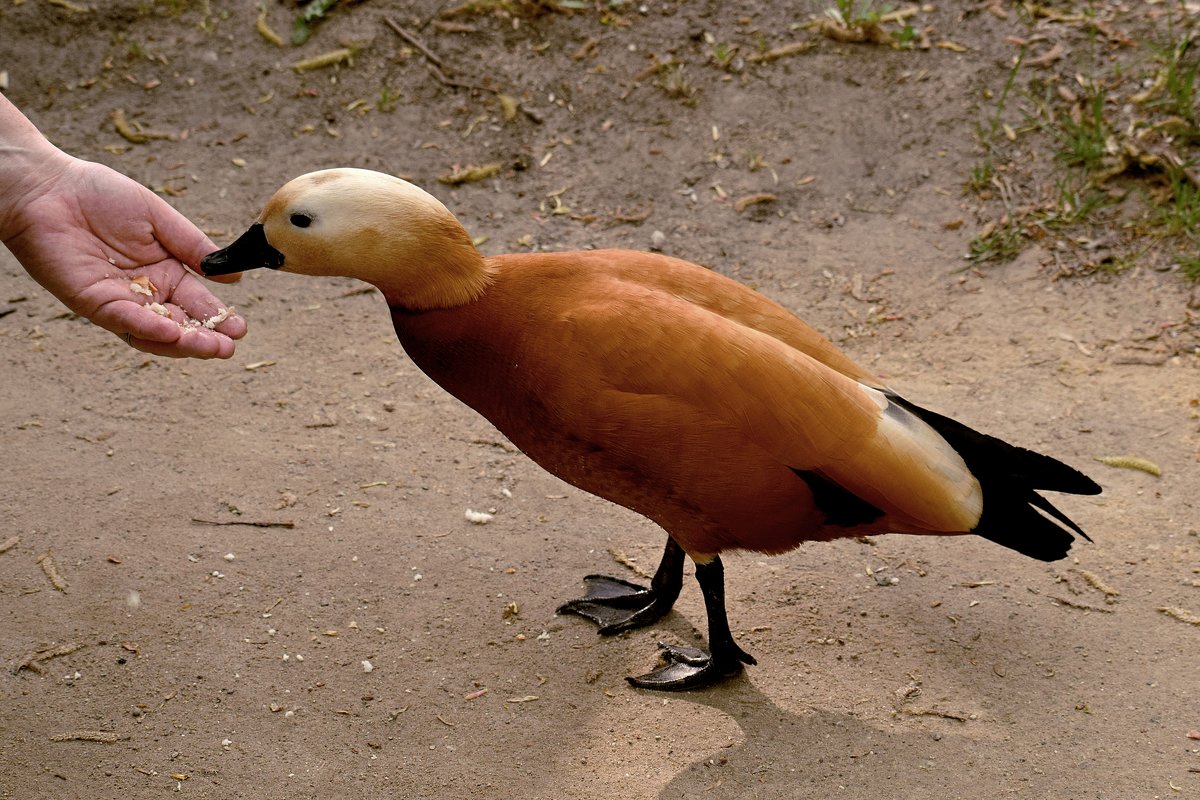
[(641, 340)]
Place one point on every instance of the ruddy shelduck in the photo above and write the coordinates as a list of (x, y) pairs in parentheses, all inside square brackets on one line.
[(666, 388)]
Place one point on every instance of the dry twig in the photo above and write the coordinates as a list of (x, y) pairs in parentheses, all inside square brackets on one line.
[(1181, 614), (413, 40), (1062, 601), (625, 561), (34, 662), (251, 522), (107, 737), (46, 562)]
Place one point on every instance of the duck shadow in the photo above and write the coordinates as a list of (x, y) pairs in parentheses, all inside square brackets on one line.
[(820, 753)]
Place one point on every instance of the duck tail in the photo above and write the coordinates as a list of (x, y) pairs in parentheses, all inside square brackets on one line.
[(1010, 478)]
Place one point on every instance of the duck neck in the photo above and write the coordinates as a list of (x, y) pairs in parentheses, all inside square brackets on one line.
[(451, 274)]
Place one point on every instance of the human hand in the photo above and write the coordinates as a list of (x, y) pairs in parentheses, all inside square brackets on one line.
[(86, 233)]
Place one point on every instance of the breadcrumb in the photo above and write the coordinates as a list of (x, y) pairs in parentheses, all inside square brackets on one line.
[(142, 285), (219, 317)]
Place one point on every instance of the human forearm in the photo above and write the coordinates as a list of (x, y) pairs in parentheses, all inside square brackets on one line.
[(27, 162)]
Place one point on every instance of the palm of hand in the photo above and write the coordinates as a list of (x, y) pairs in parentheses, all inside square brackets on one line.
[(93, 232)]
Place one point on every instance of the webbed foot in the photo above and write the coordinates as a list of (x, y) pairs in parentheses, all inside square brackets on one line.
[(690, 668), (617, 605)]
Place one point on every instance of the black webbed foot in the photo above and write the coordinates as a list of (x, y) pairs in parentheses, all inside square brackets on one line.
[(690, 668), (616, 605)]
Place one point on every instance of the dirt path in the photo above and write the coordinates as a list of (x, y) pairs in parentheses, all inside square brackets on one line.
[(229, 660)]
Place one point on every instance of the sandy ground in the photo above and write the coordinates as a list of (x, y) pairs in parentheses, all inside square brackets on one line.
[(227, 660)]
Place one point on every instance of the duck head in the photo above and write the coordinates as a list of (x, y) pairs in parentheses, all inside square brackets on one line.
[(367, 225)]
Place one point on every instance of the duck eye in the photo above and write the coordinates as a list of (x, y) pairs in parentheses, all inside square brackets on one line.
[(301, 220)]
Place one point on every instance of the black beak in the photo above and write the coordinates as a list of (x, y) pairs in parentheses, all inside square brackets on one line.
[(249, 251)]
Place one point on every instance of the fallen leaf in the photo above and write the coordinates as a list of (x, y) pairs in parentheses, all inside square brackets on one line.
[(508, 107), (470, 174), (1131, 462), (324, 60), (742, 203), (783, 51), (1181, 614), (264, 29), (1048, 58)]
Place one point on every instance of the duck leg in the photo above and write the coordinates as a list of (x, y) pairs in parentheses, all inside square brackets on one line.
[(690, 667), (616, 605)]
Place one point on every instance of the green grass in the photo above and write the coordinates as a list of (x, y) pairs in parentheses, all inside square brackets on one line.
[(722, 55), (1083, 143), (1134, 128), (1181, 67), (982, 174), (1180, 215), (387, 100), (674, 83), (856, 12), (1002, 244), (1190, 267), (1078, 201), (1179, 97), (1181, 86)]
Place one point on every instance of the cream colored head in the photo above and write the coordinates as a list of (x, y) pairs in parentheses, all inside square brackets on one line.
[(366, 225)]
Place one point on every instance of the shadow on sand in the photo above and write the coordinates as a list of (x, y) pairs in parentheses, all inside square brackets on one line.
[(822, 754)]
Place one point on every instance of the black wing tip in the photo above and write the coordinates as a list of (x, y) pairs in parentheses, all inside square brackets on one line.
[(989, 457), (1046, 472), (1014, 514), (1028, 523)]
